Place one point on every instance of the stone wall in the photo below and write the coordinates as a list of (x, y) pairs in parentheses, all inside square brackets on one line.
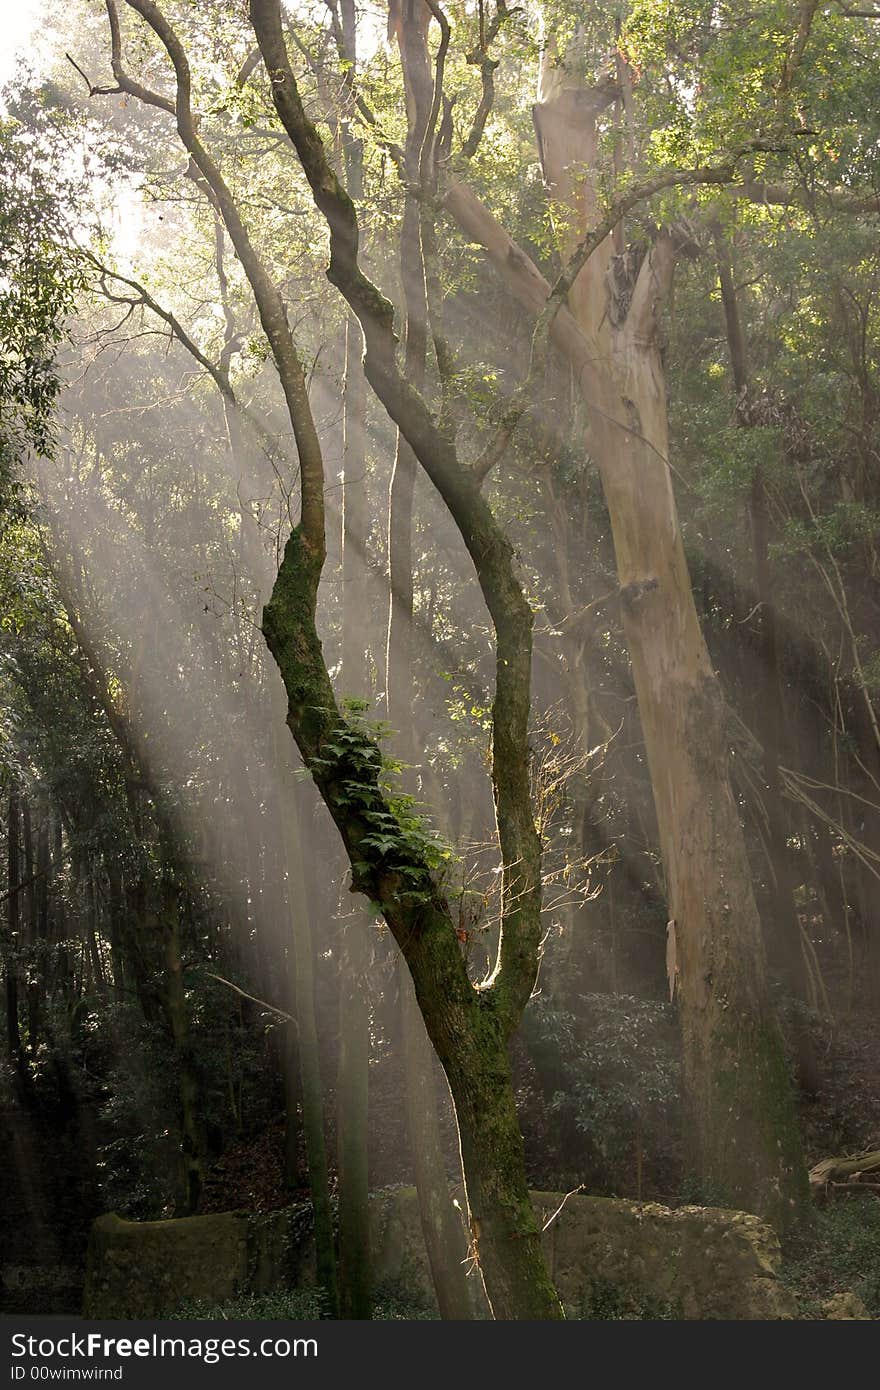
[(143, 1269), (693, 1262)]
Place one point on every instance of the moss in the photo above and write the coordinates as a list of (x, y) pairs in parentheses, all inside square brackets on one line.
[(290, 633), (136, 1269)]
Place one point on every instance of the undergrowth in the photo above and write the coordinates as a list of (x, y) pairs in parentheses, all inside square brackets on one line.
[(840, 1255), (390, 1304)]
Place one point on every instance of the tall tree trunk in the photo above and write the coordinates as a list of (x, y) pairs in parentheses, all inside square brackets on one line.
[(352, 1092), (741, 1123)]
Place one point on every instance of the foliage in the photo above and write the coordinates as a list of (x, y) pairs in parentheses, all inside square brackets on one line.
[(390, 1304), (840, 1255), (37, 287), (615, 1060), (397, 836), (288, 1305)]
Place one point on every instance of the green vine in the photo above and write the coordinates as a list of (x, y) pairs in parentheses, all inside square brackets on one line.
[(396, 840)]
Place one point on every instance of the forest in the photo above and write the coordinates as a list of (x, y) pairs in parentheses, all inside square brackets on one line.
[(440, 659)]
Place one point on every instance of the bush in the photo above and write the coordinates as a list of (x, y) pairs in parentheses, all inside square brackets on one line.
[(609, 1070)]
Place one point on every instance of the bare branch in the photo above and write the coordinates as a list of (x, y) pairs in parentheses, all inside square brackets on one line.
[(270, 305), (93, 90), (479, 57), (279, 1013)]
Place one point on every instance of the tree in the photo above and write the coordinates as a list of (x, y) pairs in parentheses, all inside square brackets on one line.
[(39, 280), (742, 1120), (394, 860)]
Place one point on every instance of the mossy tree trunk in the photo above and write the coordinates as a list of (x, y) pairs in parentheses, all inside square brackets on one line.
[(469, 1028)]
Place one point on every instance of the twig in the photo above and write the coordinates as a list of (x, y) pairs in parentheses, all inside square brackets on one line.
[(288, 1018), (551, 1219)]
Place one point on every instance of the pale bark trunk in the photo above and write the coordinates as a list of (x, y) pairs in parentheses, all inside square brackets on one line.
[(742, 1127)]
